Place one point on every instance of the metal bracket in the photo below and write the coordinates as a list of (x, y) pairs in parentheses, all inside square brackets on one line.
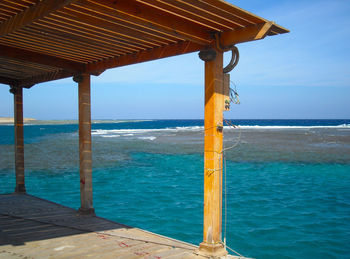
[(219, 128), (78, 78), (13, 89), (207, 55)]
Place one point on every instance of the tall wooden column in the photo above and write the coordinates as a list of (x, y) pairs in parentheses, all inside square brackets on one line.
[(19, 144), (213, 136), (85, 144)]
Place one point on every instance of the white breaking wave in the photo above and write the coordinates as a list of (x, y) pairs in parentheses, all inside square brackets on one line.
[(110, 136), (342, 126), (192, 128), (131, 132), (148, 138), (144, 133)]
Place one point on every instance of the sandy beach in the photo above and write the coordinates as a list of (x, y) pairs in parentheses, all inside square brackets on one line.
[(8, 120)]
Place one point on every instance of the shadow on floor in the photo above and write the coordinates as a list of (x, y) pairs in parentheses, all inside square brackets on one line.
[(25, 218)]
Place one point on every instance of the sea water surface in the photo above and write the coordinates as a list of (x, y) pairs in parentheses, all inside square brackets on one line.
[(287, 183)]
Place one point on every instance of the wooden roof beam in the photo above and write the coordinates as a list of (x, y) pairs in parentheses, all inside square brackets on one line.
[(152, 18), (250, 33), (8, 81), (29, 82), (31, 14), (143, 56), (34, 57)]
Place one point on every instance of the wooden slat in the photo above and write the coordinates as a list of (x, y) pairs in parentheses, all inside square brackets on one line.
[(21, 70), (31, 14), (26, 64), (133, 26), (146, 55), (109, 22), (250, 33), (194, 17), (13, 5), (152, 18), (277, 29), (111, 27), (243, 14), (12, 72), (84, 34), (85, 44), (84, 40), (6, 14), (46, 77), (94, 35), (9, 9), (15, 43), (31, 56), (56, 20), (234, 20), (22, 4), (8, 81), (63, 45), (194, 12), (37, 46)]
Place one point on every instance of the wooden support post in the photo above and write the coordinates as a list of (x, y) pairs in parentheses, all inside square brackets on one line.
[(19, 144), (213, 143), (85, 144)]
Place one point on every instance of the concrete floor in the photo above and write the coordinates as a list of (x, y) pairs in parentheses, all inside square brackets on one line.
[(35, 228)]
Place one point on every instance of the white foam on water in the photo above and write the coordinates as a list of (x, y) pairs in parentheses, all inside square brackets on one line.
[(110, 136), (148, 138), (342, 126), (99, 132), (138, 132), (191, 128), (131, 132)]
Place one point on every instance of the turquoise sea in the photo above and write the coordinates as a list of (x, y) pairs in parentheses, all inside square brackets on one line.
[(287, 181)]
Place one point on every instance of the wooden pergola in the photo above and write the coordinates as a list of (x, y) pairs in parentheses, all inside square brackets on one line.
[(45, 40)]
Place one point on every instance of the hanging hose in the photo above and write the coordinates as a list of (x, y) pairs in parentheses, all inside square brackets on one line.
[(234, 60), (235, 54)]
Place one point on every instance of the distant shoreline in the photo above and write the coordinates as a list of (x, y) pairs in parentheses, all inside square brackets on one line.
[(10, 120), (273, 123)]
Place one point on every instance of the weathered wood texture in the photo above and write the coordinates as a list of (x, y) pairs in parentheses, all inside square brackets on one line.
[(213, 141), (19, 143), (85, 154), (89, 36), (34, 228)]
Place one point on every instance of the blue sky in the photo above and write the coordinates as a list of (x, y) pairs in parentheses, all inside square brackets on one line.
[(304, 74)]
